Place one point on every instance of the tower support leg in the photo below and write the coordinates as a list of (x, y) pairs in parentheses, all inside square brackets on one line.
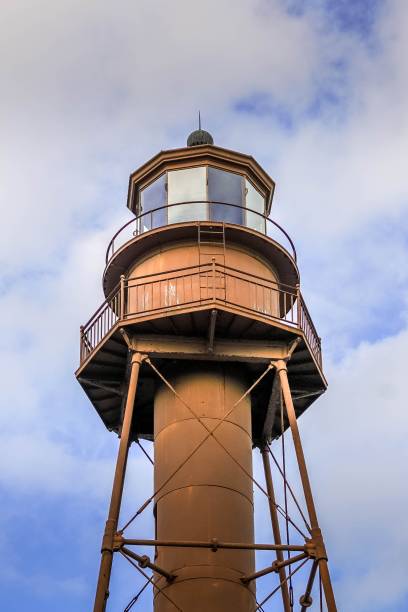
[(307, 490), (102, 589), (275, 526)]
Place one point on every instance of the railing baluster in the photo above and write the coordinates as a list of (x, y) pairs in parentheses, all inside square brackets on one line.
[(81, 343), (122, 296), (299, 307), (214, 279)]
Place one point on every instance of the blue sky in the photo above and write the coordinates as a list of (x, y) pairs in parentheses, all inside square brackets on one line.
[(317, 92)]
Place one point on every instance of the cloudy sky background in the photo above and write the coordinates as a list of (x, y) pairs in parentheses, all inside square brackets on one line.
[(317, 92)]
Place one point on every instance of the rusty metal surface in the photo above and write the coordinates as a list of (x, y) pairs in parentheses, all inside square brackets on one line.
[(208, 497), (139, 246)]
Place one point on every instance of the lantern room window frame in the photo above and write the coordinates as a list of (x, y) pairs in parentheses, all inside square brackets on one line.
[(248, 218)]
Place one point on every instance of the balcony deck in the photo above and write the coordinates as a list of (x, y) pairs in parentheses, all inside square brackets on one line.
[(197, 288), (181, 303)]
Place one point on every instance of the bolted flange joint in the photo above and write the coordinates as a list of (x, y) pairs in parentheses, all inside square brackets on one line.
[(118, 542), (144, 561), (214, 544), (315, 546), (306, 601), (111, 541)]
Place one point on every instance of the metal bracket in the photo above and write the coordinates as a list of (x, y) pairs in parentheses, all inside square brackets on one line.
[(315, 546), (118, 542), (211, 330), (126, 337)]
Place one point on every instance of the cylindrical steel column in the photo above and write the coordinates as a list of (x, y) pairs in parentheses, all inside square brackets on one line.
[(102, 589), (210, 496), (282, 371)]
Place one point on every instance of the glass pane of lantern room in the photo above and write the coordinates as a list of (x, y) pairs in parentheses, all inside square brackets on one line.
[(189, 185), (153, 196), (225, 187), (256, 202)]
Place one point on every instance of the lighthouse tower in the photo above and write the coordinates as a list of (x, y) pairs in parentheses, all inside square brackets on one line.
[(205, 347)]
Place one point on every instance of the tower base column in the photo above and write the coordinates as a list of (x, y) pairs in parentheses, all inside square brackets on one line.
[(209, 497)]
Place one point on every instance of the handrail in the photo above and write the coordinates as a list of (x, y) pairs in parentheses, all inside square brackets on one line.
[(136, 297), (110, 251), (106, 302), (202, 267)]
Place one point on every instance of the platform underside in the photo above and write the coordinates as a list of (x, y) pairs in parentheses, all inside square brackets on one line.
[(104, 374)]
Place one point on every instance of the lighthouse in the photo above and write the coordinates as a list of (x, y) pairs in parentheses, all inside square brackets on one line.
[(204, 346)]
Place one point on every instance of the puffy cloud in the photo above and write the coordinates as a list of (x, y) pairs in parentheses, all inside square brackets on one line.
[(355, 437), (89, 92)]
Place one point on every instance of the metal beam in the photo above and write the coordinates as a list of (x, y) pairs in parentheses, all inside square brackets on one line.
[(144, 561), (275, 526), (102, 590), (213, 544), (211, 330), (306, 599), (273, 406), (275, 567), (171, 347), (321, 554)]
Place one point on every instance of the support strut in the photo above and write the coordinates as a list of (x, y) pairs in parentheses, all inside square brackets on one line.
[(144, 561), (275, 527), (102, 589), (281, 370)]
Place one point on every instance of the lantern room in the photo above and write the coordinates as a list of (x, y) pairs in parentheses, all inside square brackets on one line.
[(202, 182)]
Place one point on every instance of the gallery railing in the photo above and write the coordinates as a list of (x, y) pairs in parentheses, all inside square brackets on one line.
[(212, 283), (215, 212)]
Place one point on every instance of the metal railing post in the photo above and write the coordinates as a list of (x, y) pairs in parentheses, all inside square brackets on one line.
[(81, 343), (214, 281), (122, 296), (299, 307)]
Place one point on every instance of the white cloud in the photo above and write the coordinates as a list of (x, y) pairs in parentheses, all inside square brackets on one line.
[(348, 166), (89, 91), (355, 438)]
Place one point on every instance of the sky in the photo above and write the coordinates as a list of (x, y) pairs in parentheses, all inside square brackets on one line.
[(317, 92)]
